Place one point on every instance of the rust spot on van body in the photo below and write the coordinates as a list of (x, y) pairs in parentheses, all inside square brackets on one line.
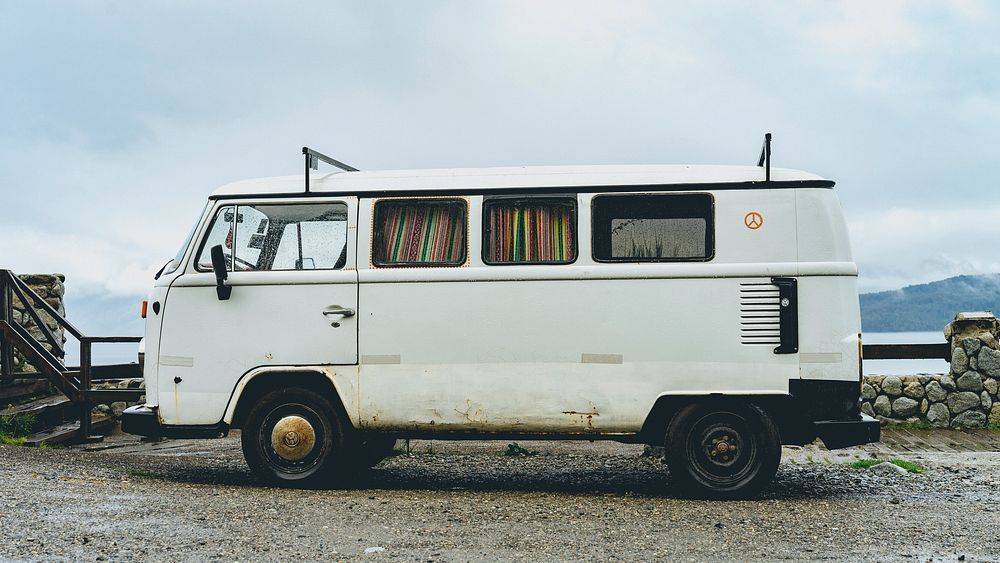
[(586, 418)]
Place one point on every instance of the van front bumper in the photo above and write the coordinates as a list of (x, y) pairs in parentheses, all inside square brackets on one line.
[(144, 421), (843, 433)]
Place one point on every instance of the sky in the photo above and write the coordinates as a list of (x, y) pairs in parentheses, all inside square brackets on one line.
[(117, 119)]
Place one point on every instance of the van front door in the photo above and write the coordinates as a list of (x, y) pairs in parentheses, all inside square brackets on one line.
[(294, 298)]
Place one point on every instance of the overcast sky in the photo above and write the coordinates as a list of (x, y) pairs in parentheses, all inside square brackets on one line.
[(117, 119)]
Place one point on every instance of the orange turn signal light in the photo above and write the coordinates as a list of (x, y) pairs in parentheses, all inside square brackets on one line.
[(145, 303)]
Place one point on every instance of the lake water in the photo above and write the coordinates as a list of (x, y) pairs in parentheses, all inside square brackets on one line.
[(903, 367)]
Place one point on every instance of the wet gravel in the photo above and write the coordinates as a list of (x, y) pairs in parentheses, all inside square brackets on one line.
[(466, 501)]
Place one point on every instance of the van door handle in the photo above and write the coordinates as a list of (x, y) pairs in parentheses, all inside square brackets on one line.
[(337, 310)]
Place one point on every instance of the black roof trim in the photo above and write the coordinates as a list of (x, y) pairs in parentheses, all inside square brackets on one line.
[(774, 185)]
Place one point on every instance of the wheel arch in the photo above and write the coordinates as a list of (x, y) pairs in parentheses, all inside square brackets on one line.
[(259, 381), (783, 409)]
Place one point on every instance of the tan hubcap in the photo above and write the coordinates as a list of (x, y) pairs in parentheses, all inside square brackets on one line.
[(293, 438)]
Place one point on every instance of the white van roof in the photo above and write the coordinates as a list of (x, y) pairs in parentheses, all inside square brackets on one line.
[(522, 177)]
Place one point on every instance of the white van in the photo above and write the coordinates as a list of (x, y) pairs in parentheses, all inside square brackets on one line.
[(709, 309)]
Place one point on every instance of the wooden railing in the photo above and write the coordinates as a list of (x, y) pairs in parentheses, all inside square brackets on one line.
[(940, 351), (73, 381)]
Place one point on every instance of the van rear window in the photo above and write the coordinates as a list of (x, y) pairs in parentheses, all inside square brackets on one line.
[(429, 232), (653, 227), (529, 230)]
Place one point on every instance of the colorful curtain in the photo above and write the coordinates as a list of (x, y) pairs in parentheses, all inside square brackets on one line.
[(524, 232), (415, 233)]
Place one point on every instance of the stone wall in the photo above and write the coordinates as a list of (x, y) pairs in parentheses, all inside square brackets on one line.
[(966, 397), (49, 287)]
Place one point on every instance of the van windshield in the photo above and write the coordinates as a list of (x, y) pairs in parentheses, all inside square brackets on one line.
[(175, 263)]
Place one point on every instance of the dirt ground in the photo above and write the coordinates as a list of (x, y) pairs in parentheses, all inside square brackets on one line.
[(126, 500)]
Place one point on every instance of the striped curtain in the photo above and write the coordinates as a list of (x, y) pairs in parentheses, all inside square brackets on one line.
[(420, 233), (525, 232)]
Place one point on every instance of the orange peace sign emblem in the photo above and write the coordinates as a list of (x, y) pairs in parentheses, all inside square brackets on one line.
[(753, 220)]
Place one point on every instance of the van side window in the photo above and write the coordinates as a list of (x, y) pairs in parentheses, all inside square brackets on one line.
[(306, 236), (420, 232), (529, 230), (653, 228)]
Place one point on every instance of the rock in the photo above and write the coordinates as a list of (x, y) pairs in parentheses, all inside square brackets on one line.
[(989, 362), (892, 386), (969, 419), (947, 382), (914, 390), (962, 401), (117, 408), (924, 405), (887, 468), (973, 363), (866, 408), (101, 409), (938, 415), (868, 392), (936, 393), (970, 381), (904, 407), (959, 360), (991, 386), (995, 414), (971, 346), (985, 401), (988, 340), (657, 452), (924, 379), (883, 407)]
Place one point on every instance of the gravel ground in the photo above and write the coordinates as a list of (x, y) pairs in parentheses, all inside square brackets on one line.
[(465, 501)]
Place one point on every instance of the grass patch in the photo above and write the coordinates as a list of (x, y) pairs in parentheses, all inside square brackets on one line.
[(907, 465), (993, 426), (918, 425), (13, 429), (517, 450)]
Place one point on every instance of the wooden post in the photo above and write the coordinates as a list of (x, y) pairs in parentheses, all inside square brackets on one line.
[(85, 361)]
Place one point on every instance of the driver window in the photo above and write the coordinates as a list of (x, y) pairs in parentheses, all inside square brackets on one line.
[(306, 236)]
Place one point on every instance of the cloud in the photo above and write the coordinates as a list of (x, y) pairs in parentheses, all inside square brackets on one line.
[(905, 246), (99, 266)]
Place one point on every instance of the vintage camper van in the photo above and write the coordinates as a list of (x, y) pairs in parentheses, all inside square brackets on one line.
[(709, 309)]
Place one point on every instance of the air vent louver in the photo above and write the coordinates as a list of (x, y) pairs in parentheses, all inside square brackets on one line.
[(759, 314)]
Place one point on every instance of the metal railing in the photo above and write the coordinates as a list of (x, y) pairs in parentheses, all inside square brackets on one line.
[(73, 381)]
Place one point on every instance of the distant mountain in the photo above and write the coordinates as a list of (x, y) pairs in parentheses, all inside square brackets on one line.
[(929, 306)]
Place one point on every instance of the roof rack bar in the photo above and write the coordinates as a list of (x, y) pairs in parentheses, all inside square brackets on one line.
[(765, 157), (312, 163)]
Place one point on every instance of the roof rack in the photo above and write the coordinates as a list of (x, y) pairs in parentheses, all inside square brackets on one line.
[(312, 163), (765, 157)]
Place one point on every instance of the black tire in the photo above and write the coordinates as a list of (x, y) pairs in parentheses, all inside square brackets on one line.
[(373, 449), (293, 437), (722, 450)]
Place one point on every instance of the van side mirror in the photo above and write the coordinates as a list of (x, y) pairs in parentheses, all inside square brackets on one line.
[(219, 267)]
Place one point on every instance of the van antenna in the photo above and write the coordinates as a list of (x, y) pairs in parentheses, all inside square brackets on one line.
[(312, 163), (765, 157)]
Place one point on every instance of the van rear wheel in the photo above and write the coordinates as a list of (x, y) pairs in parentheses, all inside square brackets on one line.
[(722, 450), (293, 437)]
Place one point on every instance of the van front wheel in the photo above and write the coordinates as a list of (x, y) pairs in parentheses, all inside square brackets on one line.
[(293, 437), (722, 451)]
